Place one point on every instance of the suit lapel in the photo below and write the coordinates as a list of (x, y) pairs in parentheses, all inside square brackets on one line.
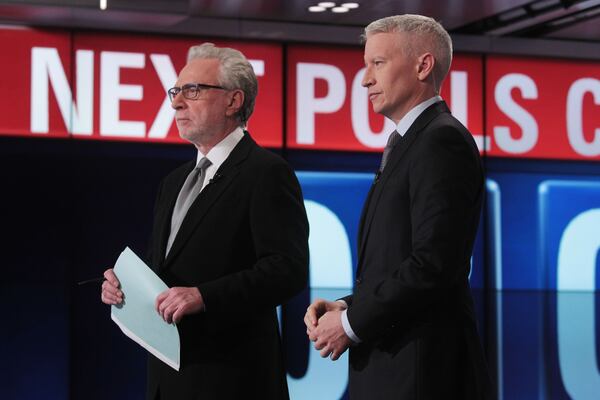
[(164, 216), (395, 156), (224, 177), (365, 209)]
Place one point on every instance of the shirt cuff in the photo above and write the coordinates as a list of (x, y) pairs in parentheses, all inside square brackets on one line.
[(348, 328)]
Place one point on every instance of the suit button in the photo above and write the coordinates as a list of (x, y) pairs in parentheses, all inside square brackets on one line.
[(358, 281)]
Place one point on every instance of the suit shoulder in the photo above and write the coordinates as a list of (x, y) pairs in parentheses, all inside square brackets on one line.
[(447, 129), (268, 168), (267, 158), (446, 121)]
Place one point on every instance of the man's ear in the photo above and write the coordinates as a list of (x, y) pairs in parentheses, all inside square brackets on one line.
[(425, 66), (235, 102)]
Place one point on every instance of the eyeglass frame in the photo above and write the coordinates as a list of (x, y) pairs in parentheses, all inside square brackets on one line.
[(185, 88)]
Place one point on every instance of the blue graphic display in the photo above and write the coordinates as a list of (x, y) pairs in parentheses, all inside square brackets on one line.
[(333, 204), (534, 280), (570, 231)]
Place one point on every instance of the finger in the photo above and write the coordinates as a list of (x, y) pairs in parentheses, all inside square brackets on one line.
[(110, 276), (108, 295), (322, 317), (310, 329), (162, 307), (110, 298), (334, 356), (311, 316), (159, 299), (308, 319), (171, 310), (318, 302), (163, 295), (168, 307), (106, 300), (107, 285), (318, 305), (177, 315), (320, 345), (325, 352), (111, 293), (167, 315)]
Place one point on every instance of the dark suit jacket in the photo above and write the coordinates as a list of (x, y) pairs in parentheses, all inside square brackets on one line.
[(244, 244), (411, 304)]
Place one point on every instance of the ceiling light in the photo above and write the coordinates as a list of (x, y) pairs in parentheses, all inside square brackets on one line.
[(330, 6), (103, 4), (339, 9)]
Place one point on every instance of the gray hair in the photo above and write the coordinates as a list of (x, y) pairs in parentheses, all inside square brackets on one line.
[(235, 72), (419, 27)]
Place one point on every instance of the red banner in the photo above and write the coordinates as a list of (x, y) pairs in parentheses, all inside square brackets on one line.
[(113, 87), (109, 86), (17, 95), (540, 108), (329, 109)]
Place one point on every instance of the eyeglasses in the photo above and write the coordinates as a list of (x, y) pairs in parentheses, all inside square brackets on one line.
[(191, 91)]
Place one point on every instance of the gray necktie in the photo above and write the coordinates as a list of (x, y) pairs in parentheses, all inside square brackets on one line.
[(188, 193), (392, 140)]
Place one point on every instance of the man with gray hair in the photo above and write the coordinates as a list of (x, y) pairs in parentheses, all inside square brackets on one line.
[(230, 239), (410, 323)]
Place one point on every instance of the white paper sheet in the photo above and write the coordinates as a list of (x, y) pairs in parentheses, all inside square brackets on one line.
[(137, 317)]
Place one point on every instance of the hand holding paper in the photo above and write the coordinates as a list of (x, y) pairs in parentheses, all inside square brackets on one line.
[(111, 293), (176, 302)]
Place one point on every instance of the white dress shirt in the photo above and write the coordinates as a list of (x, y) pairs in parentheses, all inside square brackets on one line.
[(218, 154)]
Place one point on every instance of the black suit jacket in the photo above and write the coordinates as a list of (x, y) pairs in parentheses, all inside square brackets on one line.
[(411, 304), (244, 244)]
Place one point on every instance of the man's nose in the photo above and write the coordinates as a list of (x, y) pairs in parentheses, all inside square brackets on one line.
[(367, 79), (178, 101)]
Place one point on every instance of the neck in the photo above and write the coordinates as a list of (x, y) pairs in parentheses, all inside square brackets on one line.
[(414, 101), (205, 146)]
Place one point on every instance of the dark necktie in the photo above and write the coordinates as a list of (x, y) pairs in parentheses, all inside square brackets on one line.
[(188, 193), (392, 141)]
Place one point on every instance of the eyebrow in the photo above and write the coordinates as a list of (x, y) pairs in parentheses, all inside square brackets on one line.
[(377, 57)]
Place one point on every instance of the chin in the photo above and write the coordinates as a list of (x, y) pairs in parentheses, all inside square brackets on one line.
[(379, 110), (187, 138), (183, 135)]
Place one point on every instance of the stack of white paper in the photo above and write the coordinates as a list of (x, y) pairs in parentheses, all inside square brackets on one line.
[(137, 316)]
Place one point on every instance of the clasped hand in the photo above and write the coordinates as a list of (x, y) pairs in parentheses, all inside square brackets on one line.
[(323, 320)]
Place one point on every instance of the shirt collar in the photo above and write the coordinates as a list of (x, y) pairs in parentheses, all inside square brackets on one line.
[(413, 114), (219, 153)]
